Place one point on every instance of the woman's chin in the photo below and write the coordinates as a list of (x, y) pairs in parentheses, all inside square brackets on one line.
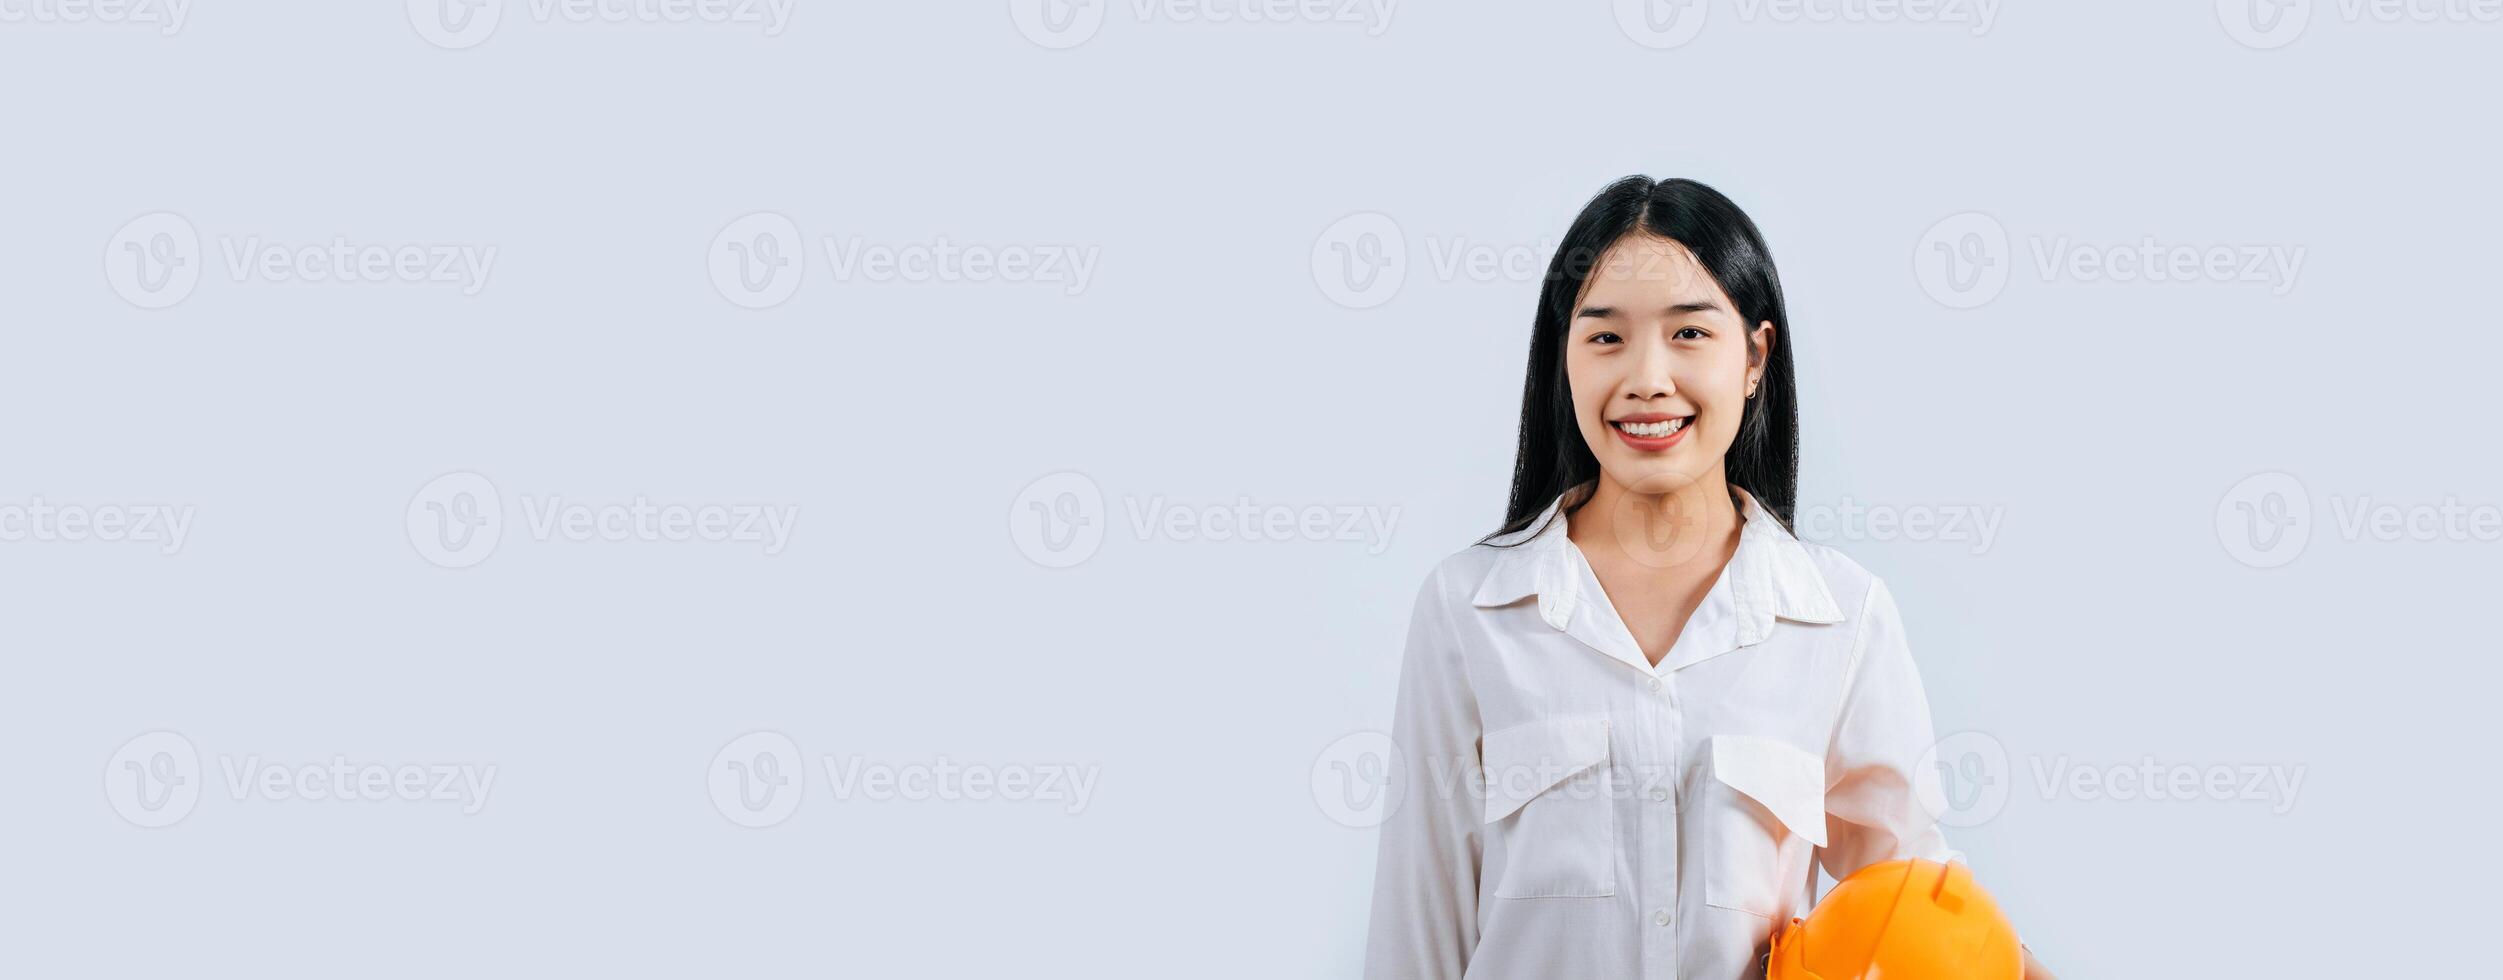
[(1649, 474)]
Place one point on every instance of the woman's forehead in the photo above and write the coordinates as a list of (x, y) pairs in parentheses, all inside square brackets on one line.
[(1642, 272)]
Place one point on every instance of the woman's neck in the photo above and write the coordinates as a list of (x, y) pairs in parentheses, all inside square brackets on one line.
[(1662, 527)]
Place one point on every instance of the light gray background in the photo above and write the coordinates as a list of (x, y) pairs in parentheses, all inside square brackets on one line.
[(2109, 622)]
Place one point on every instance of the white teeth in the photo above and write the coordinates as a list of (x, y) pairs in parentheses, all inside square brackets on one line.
[(1651, 430)]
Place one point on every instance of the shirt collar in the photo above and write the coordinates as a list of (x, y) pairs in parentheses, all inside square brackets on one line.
[(1769, 577)]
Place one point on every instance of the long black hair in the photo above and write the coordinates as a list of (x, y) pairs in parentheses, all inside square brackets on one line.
[(1553, 458)]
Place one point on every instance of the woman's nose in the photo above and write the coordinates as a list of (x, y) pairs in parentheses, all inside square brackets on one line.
[(1652, 376)]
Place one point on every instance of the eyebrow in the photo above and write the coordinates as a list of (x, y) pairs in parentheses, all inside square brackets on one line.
[(1698, 306)]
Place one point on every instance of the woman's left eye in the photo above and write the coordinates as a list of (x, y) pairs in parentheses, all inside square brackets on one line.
[(1689, 333)]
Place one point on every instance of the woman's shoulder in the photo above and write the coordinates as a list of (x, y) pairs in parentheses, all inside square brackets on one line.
[(1475, 574), (1850, 583), (1457, 576)]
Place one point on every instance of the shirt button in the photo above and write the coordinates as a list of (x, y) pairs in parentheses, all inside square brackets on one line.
[(1661, 917), (1661, 795), (1655, 683)]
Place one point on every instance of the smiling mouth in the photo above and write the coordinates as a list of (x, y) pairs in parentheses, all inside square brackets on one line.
[(1653, 429)]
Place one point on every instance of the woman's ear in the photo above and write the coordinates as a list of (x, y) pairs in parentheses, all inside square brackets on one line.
[(1759, 347)]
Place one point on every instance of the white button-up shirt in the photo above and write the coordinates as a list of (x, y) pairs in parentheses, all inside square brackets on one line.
[(1561, 808)]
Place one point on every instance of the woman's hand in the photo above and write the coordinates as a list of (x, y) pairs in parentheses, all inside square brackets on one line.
[(2034, 970)]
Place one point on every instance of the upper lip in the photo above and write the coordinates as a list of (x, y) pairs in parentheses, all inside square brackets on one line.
[(1646, 417)]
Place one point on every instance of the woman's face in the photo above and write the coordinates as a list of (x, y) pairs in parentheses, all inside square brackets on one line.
[(1659, 364)]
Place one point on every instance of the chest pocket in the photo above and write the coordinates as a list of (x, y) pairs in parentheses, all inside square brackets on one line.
[(1766, 812), (1548, 794)]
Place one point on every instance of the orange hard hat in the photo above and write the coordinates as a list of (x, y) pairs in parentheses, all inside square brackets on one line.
[(1900, 920)]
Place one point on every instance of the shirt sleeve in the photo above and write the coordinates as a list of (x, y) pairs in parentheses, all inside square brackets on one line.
[(1425, 883), (1873, 808)]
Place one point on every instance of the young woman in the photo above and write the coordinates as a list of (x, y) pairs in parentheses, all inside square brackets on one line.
[(1679, 710)]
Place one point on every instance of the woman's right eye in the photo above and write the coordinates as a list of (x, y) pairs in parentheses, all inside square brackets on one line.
[(1604, 337)]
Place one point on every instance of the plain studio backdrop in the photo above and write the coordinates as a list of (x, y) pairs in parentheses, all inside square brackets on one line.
[(712, 489)]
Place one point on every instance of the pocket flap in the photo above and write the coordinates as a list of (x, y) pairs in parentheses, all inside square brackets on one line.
[(1525, 760), (1787, 780)]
